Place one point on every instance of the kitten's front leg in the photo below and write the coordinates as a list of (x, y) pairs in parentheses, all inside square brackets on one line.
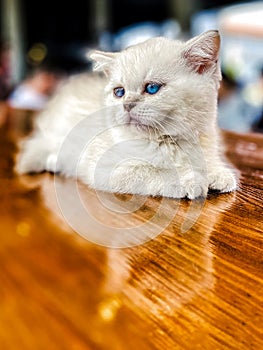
[(219, 175), (148, 180), (192, 184)]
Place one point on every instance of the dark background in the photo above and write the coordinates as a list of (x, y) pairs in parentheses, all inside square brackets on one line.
[(65, 27), (63, 33), (64, 22), (68, 29)]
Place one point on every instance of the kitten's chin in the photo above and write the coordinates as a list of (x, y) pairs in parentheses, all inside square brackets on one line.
[(135, 122), (148, 131), (141, 127)]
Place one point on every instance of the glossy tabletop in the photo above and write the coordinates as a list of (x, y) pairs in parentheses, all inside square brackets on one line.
[(196, 282)]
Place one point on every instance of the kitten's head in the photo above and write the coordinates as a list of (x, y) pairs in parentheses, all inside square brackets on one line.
[(164, 84)]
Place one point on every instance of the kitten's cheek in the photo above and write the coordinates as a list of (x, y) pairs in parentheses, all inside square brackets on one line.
[(122, 116)]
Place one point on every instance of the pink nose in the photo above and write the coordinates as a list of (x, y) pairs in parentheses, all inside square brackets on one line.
[(129, 106)]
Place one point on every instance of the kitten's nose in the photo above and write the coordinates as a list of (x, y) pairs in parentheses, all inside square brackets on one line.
[(129, 106)]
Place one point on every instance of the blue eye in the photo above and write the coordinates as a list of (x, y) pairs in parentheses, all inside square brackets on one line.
[(152, 88), (119, 91)]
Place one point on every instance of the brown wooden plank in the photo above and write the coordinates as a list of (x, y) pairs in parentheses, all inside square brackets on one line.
[(199, 289)]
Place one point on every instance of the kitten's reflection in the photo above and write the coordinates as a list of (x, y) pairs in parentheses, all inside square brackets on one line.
[(159, 278), (126, 221), (109, 220), (169, 271)]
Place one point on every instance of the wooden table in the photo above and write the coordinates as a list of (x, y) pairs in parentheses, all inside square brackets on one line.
[(197, 285)]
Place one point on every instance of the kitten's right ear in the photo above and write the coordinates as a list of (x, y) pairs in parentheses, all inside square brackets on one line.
[(103, 60), (202, 52)]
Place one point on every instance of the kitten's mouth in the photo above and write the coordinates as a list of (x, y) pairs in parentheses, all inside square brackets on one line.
[(135, 121)]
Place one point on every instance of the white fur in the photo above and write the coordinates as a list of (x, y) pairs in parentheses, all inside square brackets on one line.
[(167, 145)]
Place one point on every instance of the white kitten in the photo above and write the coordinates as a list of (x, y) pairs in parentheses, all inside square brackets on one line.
[(147, 127)]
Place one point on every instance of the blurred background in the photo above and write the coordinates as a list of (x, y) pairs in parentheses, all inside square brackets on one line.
[(43, 42)]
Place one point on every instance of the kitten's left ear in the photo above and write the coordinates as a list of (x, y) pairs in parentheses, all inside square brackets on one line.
[(202, 52), (103, 60)]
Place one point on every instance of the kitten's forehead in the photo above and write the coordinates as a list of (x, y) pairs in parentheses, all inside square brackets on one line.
[(153, 45), (147, 60)]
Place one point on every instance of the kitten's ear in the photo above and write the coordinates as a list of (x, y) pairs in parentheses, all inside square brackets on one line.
[(103, 60), (202, 52)]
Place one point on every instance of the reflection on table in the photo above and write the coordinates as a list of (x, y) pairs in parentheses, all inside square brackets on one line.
[(198, 282)]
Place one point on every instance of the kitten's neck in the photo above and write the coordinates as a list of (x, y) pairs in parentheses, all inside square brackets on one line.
[(167, 139)]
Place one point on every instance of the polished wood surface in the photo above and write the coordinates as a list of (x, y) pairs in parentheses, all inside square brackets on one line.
[(197, 285)]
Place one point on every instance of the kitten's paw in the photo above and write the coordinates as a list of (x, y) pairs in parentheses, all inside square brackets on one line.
[(192, 187), (223, 180), (195, 187)]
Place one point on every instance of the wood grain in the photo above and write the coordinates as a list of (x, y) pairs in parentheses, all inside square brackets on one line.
[(200, 288)]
